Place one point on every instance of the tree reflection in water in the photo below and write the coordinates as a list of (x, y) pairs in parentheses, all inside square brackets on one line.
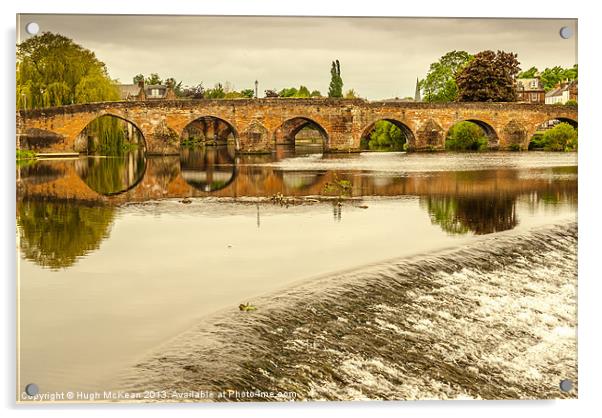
[(55, 234), (114, 174), (480, 215), (208, 168)]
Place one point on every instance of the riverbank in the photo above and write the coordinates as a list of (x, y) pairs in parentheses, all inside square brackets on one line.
[(491, 319)]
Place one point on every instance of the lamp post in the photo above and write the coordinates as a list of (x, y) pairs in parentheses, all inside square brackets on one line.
[(256, 91)]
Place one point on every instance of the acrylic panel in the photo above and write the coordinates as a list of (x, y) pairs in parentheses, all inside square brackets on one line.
[(231, 208)]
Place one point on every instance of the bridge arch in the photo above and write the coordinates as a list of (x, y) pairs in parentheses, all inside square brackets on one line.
[(286, 133), (535, 137), (410, 138), (571, 121), (120, 169), (486, 126), (81, 141), (209, 129)]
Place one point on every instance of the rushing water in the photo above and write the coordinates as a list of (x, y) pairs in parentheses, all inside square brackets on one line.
[(453, 325), (132, 269)]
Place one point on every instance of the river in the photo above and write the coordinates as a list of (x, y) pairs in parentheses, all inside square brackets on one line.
[(374, 275)]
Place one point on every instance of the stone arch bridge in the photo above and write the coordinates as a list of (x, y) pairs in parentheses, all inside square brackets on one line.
[(258, 125)]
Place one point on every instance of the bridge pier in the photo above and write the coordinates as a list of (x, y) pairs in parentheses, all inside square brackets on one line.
[(514, 136), (161, 140), (256, 139), (430, 136)]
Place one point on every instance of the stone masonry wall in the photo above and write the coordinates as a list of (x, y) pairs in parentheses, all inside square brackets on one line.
[(258, 124)]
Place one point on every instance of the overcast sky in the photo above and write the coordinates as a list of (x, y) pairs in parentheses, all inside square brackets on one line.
[(380, 57)]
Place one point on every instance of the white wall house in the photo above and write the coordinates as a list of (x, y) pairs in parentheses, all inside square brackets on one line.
[(562, 93)]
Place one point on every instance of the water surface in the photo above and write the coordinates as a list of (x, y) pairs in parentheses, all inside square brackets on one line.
[(119, 255)]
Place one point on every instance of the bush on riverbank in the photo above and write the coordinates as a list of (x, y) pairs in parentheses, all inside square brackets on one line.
[(562, 137), (466, 136), (24, 154)]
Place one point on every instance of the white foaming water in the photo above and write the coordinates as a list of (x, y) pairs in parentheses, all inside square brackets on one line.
[(451, 325), (401, 162)]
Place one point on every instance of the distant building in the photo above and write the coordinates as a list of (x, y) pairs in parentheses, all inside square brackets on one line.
[(129, 92), (562, 93), (157, 91), (530, 90), (141, 91)]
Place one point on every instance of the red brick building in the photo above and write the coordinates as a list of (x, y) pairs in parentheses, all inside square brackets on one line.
[(530, 90)]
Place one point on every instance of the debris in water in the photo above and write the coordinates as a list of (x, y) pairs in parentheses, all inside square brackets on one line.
[(247, 307), (282, 200)]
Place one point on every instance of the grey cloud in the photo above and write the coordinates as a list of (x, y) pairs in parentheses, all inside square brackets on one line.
[(380, 57)]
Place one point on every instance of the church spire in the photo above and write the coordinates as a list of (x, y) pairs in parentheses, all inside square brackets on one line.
[(417, 94)]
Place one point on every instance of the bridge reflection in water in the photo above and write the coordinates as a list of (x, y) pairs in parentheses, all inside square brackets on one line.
[(111, 175), (66, 208), (208, 168)]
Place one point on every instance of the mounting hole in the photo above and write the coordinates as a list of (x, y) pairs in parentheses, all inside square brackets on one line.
[(32, 28), (32, 389), (566, 32), (566, 385)]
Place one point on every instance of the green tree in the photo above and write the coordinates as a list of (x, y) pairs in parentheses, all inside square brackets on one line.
[(52, 70), (351, 94), (439, 85), (217, 92), (551, 77), (138, 78), (530, 73), (562, 137), (316, 93), (153, 79), (466, 136), (303, 92), (109, 135), (488, 77), (336, 82), (175, 85), (233, 95), (288, 92), (249, 93), (571, 73)]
